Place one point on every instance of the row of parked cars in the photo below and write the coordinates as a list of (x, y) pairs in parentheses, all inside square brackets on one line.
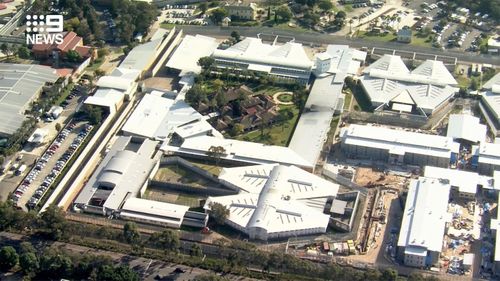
[(40, 164), (61, 162)]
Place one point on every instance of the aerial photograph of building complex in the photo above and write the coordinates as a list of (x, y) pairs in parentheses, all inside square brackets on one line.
[(208, 140)]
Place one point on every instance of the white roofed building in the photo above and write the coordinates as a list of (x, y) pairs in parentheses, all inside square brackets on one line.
[(426, 205), (490, 103), (276, 201), (325, 99), (186, 56), (463, 183), (466, 127), (391, 86), (397, 146), (486, 158), (288, 61), (122, 174), (158, 118), (240, 152)]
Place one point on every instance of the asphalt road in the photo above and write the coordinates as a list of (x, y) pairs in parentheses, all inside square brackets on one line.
[(311, 38)]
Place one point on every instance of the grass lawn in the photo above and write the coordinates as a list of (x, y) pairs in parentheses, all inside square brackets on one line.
[(463, 82), (209, 168), (285, 97), (348, 8), (421, 41), (95, 65), (187, 200), (348, 98), (384, 37), (277, 134)]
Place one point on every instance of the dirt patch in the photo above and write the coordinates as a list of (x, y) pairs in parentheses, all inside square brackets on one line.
[(369, 178)]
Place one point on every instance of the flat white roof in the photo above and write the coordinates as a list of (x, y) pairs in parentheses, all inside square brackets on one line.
[(425, 215), (190, 50), (492, 95), (399, 140), (142, 56), (488, 153), (154, 210), (240, 151), (314, 123), (106, 97), (466, 181), (277, 198), (115, 82), (467, 127)]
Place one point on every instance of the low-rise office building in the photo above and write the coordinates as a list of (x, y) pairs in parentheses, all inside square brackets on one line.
[(426, 205), (276, 201), (242, 11), (398, 146)]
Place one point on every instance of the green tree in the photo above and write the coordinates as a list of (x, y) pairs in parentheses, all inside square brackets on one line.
[(219, 213), (195, 250), (284, 13), (73, 56), (389, 274), (58, 127), (102, 52), (216, 152), (167, 240), (206, 62), (23, 52), (120, 273), (237, 129), (325, 5), (93, 113), (218, 15), (131, 234), (236, 36), (8, 258), (474, 84), (54, 221), (29, 263), (203, 6)]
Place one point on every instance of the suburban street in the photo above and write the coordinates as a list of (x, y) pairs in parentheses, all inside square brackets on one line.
[(309, 38)]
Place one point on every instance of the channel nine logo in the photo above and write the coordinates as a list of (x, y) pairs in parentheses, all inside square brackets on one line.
[(44, 29)]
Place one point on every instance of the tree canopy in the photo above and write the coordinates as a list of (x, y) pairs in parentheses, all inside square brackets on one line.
[(219, 213), (8, 258), (217, 15)]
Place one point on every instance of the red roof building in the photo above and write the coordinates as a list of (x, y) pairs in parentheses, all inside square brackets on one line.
[(70, 42)]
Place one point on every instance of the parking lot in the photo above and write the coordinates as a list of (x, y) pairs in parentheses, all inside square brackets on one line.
[(181, 14), (51, 163)]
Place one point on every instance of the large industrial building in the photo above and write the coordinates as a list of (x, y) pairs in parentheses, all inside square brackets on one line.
[(121, 179), (20, 84), (276, 201), (426, 205), (391, 86), (398, 146), (288, 61), (490, 103)]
